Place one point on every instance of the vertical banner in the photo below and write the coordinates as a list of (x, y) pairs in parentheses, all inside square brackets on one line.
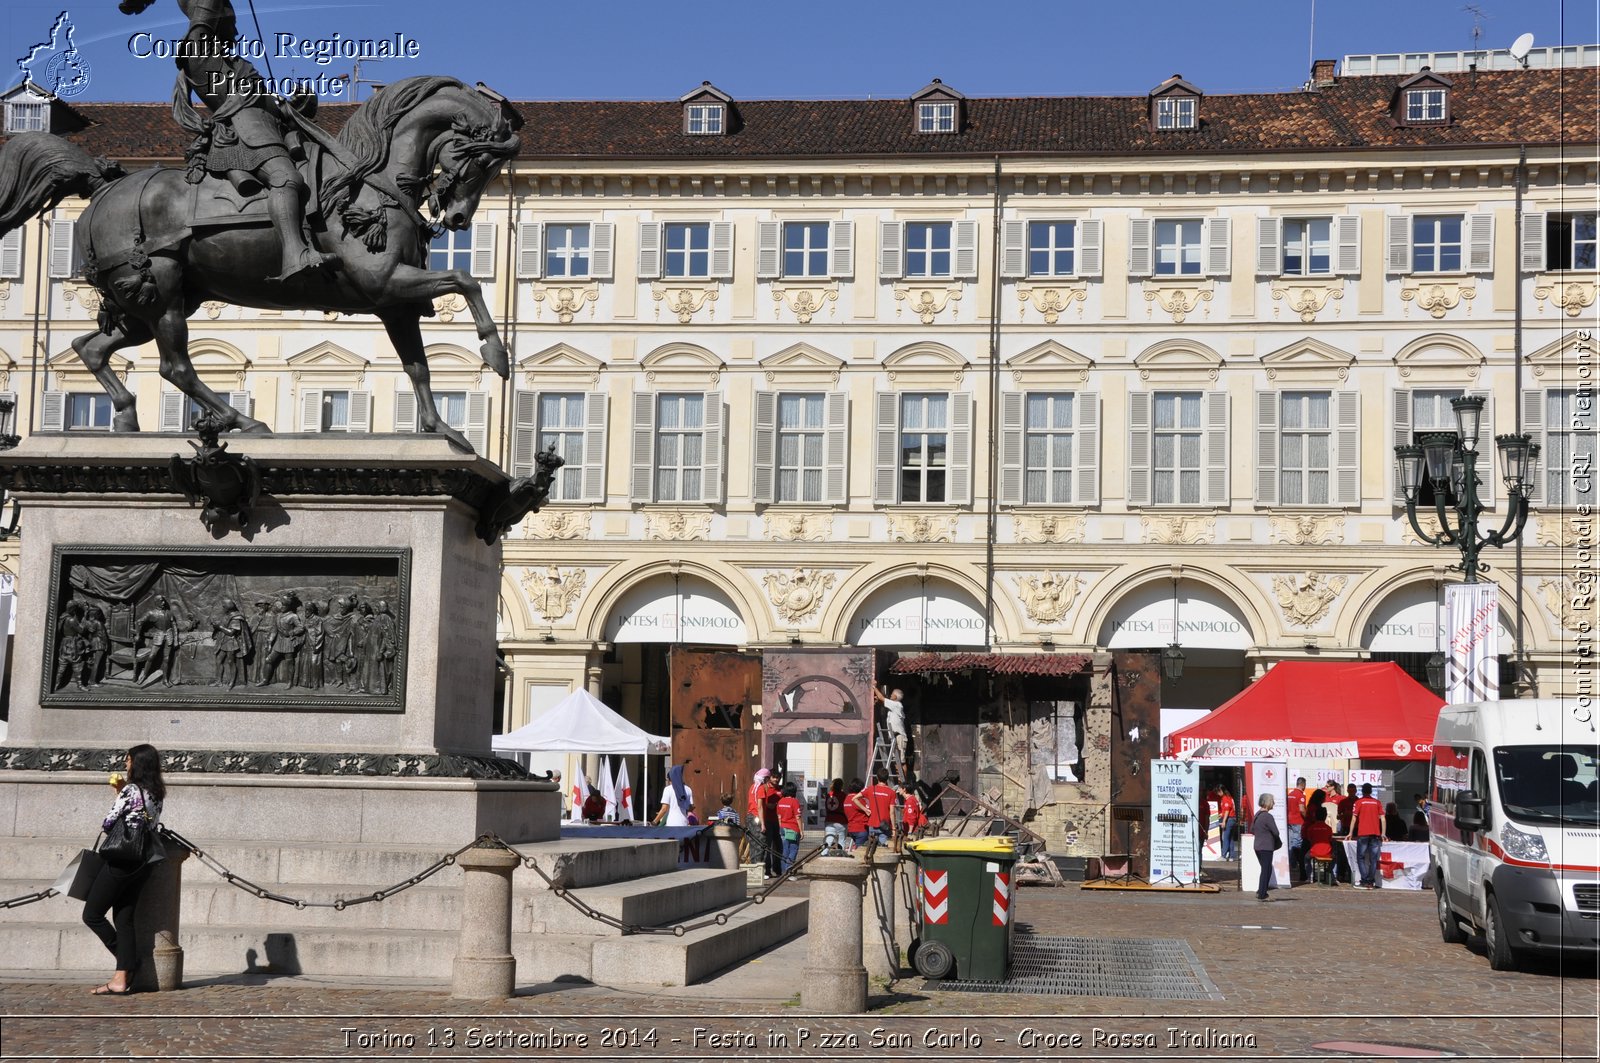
[(1174, 834), (1472, 661), (1265, 777)]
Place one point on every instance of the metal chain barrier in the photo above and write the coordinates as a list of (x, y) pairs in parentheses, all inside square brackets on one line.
[(29, 898)]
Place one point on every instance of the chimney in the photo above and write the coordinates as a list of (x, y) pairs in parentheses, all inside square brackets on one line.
[(1323, 73)]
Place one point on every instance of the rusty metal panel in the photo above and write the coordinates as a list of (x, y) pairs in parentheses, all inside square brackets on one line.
[(817, 696), (713, 701)]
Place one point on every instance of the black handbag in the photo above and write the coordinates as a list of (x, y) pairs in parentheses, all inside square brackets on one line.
[(129, 844)]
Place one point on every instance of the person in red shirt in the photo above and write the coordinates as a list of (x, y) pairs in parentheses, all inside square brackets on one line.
[(767, 797), (790, 823), (855, 814), (1318, 838), (1346, 803), (1227, 815), (880, 808), (911, 817), (1294, 809), (1367, 820)]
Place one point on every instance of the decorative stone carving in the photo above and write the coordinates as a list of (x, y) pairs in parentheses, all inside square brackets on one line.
[(557, 524), (1307, 298), (1179, 300), (213, 308), (1438, 297), (1051, 302), (677, 526), (1306, 602), (565, 300), (683, 300), (1180, 529), (554, 592), (1308, 529), (86, 295), (268, 762), (798, 527), (5, 291), (804, 301), (921, 528), (1573, 296), (1430, 524), (1554, 531), (1046, 598), (229, 484), (927, 302), (798, 594), (1574, 611), (447, 306), (1050, 528)]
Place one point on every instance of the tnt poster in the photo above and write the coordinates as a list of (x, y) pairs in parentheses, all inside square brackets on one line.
[(1174, 804)]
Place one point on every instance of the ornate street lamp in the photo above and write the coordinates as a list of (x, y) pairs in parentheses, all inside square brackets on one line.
[(1172, 657), (8, 439), (1450, 462)]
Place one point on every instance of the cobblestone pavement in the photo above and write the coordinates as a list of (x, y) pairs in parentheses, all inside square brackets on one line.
[(1320, 974)]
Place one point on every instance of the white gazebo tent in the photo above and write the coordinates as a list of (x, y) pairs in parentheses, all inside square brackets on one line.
[(581, 723)]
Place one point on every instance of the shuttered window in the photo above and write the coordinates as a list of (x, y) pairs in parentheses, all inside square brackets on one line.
[(1420, 411), (88, 412), (451, 249), (805, 249), (1307, 247), (64, 256), (1436, 244), (927, 249), (678, 443), (179, 412), (1052, 248), (330, 410), (1569, 447), (1048, 448), (1305, 452), (566, 251), (924, 447), (574, 423), (1569, 241), (11, 254), (561, 428), (1178, 448)]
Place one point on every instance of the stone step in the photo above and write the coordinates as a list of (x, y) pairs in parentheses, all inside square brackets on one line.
[(654, 901), (657, 960)]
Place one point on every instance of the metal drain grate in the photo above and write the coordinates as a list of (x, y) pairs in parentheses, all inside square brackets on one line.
[(1148, 968)]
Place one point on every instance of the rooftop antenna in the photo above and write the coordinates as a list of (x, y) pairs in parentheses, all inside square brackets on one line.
[(1521, 47), (1311, 43), (1478, 18)]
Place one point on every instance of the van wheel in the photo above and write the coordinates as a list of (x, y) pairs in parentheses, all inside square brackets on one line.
[(1497, 939), (1449, 928)]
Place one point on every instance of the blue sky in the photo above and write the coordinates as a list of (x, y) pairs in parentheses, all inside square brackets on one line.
[(627, 49)]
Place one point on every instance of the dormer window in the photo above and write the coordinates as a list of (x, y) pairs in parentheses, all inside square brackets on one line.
[(1425, 105), (1422, 99), (1175, 113), (704, 118), (936, 117), (27, 110)]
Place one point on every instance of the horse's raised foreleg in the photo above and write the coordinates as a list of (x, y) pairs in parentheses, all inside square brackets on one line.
[(409, 282), (95, 349), (172, 338), (405, 332)]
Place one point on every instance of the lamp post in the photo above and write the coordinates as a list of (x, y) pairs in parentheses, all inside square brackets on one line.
[(8, 439), (1450, 461), (1172, 657)]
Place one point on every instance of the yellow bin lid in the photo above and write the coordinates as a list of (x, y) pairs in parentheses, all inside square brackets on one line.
[(967, 846)]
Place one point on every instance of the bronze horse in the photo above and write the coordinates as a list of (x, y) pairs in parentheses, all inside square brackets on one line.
[(423, 141)]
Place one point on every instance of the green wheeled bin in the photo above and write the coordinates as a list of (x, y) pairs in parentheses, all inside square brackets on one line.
[(964, 906)]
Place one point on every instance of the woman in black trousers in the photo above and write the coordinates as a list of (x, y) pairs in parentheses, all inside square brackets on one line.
[(1267, 841), (117, 887)]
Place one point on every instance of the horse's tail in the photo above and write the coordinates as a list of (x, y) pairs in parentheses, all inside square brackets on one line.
[(39, 170)]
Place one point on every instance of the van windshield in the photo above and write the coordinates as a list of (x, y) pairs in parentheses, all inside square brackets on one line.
[(1549, 784)]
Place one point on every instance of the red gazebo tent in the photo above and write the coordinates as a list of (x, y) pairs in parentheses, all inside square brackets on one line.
[(1316, 709)]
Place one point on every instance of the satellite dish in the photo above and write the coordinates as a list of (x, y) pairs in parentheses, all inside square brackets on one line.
[(1521, 47)]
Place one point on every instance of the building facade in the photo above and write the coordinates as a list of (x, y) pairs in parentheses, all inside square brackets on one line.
[(1010, 376)]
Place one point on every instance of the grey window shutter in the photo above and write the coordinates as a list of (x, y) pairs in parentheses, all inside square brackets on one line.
[(1533, 250), (11, 254), (959, 479), (764, 453), (360, 411), (649, 250), (595, 414), (1139, 448), (1012, 470), (1215, 489), (1347, 244), (768, 259), (1091, 247), (836, 449), (641, 482), (722, 249), (63, 248), (311, 410), (1013, 248), (1269, 246), (1533, 424), (602, 249), (524, 432), (886, 448), (1400, 418), (1266, 448), (1487, 458), (172, 403), (891, 260), (477, 430), (1480, 243), (1219, 246), (964, 263), (1347, 449), (714, 440), (842, 249), (53, 412), (243, 402), (1086, 477), (482, 250), (405, 410), (530, 249), (1140, 252), (1398, 227)]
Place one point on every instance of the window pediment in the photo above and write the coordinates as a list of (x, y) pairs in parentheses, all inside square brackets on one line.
[(562, 357), (327, 355), (1178, 358), (1439, 356), (802, 361), (1050, 361), (1308, 357), (1561, 352)]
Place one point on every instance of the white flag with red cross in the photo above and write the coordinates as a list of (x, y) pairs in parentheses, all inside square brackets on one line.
[(580, 793), (624, 792), (936, 896)]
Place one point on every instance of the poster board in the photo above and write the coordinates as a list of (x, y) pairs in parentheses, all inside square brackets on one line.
[(1265, 777), (1174, 835)]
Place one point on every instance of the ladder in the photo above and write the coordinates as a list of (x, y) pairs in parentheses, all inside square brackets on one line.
[(883, 758)]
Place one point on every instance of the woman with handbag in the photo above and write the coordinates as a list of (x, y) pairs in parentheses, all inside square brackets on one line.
[(129, 850), (1267, 841)]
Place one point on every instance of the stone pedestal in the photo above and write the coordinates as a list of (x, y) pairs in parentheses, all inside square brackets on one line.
[(727, 840), (157, 925), (485, 968), (880, 949), (834, 982)]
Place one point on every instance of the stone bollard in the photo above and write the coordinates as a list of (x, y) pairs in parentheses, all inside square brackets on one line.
[(880, 949), (833, 981), (156, 926), (485, 968), (727, 841), (908, 872)]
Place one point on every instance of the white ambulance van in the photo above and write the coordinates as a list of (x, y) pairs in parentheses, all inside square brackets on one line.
[(1514, 827)]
